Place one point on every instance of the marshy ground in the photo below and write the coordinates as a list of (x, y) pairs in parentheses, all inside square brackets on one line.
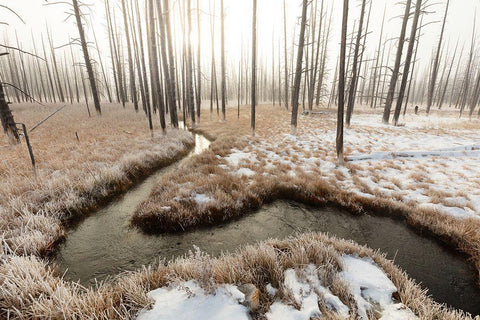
[(430, 181)]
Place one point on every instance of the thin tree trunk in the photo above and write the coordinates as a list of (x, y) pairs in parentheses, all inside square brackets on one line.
[(199, 63), (396, 69), (341, 84), (224, 75), (298, 71), (154, 72), (353, 80), (285, 53), (254, 65), (408, 62), (433, 79), (86, 56)]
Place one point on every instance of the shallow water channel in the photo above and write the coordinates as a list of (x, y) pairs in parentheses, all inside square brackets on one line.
[(105, 244)]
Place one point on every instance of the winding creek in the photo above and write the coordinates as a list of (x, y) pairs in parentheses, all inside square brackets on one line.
[(105, 244)]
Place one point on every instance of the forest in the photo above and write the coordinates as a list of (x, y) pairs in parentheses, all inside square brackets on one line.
[(222, 159)]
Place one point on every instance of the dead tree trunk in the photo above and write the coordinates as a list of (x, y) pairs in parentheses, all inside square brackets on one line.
[(6, 116), (436, 63), (169, 82), (408, 62), (375, 70), (131, 72), (171, 62), (224, 75), (413, 67), (353, 80), (86, 56), (199, 63), (298, 71), (154, 70), (396, 68), (189, 82), (447, 81), (285, 53), (254, 65), (466, 82), (341, 84)]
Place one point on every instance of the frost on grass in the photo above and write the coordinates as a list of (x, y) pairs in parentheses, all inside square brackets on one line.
[(303, 292), (188, 300), (114, 150)]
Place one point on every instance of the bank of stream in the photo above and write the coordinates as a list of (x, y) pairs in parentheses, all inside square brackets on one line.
[(106, 244)]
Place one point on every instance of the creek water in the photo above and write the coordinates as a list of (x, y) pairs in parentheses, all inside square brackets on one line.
[(105, 244)]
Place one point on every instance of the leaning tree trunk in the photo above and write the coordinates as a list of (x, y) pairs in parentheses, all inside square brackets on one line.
[(298, 71), (86, 56), (408, 62), (8, 123), (396, 69)]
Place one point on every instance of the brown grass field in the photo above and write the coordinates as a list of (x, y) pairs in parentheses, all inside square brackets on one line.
[(74, 176), (116, 149), (234, 195)]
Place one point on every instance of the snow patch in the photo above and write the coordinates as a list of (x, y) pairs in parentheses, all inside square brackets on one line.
[(237, 156), (189, 301), (245, 172), (201, 198), (371, 288)]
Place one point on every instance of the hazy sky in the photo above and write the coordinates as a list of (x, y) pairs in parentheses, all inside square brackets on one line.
[(238, 23)]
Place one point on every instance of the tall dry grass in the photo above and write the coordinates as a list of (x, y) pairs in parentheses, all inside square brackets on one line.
[(30, 289), (74, 175), (113, 151), (233, 196)]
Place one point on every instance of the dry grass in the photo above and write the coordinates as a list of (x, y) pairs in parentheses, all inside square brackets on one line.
[(33, 290), (288, 177), (74, 176), (116, 149)]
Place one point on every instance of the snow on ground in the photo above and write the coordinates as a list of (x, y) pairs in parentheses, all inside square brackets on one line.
[(237, 157), (201, 198), (367, 283), (304, 292), (435, 168), (372, 289), (188, 301)]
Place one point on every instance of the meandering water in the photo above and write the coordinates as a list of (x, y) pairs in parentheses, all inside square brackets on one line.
[(105, 244)]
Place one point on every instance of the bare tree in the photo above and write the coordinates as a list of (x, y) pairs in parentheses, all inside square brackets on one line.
[(254, 64), (408, 62), (285, 52), (168, 79), (298, 70), (436, 63), (154, 69), (131, 72), (353, 81), (396, 68), (341, 84), (466, 83), (224, 75), (86, 56), (199, 62)]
